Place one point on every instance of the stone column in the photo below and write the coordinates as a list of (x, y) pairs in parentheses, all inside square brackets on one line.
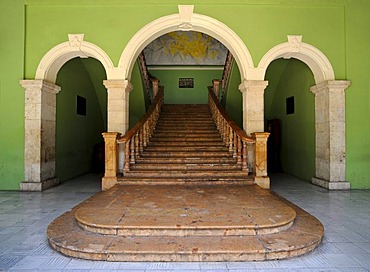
[(253, 105), (111, 160), (260, 165), (118, 104), (330, 127), (40, 126)]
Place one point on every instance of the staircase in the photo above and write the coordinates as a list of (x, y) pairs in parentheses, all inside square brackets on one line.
[(186, 147)]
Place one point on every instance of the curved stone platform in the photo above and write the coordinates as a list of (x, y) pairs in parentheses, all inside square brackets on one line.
[(185, 223)]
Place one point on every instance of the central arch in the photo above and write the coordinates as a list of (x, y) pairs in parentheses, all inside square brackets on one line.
[(186, 20)]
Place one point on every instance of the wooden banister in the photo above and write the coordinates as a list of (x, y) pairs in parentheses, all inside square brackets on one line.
[(233, 136), (138, 137)]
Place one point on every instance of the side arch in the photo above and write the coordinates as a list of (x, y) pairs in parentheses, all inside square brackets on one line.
[(56, 57), (186, 20), (295, 48)]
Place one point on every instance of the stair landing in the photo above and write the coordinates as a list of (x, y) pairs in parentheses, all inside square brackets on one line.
[(185, 223)]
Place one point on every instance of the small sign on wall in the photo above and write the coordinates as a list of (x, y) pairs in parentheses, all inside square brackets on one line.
[(186, 82)]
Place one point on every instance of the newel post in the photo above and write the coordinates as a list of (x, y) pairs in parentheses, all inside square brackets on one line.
[(216, 87), (111, 169), (155, 86), (260, 165)]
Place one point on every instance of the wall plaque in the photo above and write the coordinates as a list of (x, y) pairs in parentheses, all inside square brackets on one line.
[(186, 82)]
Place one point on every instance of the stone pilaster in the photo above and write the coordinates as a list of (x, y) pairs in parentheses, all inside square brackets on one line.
[(118, 104), (40, 126), (330, 134), (253, 105)]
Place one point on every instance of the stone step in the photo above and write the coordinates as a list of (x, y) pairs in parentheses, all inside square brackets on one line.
[(218, 174), (185, 223), (187, 144), (196, 181), (184, 167), (185, 148), (186, 139), (173, 134), (167, 160), (180, 154)]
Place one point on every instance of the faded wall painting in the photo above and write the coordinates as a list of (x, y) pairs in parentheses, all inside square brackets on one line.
[(185, 48)]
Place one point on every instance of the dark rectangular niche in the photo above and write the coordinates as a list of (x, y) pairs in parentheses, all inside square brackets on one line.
[(290, 105), (186, 82), (81, 105)]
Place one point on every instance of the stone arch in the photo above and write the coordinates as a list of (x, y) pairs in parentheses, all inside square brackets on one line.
[(295, 48), (56, 57), (329, 109), (186, 20)]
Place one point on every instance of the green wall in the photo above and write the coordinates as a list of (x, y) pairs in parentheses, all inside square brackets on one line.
[(174, 95), (137, 102), (338, 28), (293, 78), (11, 94), (234, 100), (76, 135)]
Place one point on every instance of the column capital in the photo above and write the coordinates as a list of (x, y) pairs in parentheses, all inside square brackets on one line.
[(118, 84), (255, 85), (330, 85), (39, 84)]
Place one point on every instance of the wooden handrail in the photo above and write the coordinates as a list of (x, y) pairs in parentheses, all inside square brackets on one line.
[(138, 137), (233, 136)]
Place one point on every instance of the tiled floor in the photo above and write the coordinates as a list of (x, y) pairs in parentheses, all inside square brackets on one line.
[(24, 218)]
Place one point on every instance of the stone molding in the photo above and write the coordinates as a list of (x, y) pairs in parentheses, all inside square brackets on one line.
[(57, 56), (295, 48), (183, 21), (40, 126)]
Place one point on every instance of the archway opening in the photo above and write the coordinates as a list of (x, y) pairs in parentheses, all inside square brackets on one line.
[(290, 118), (81, 117)]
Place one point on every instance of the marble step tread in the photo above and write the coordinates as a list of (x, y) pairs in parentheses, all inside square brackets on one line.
[(66, 235)]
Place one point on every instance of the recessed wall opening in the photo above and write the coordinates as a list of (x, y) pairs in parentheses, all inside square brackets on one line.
[(290, 115)]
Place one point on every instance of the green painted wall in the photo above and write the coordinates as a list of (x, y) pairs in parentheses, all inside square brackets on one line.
[(11, 94), (339, 28), (234, 101), (175, 95), (76, 135), (358, 94), (137, 102), (293, 78)]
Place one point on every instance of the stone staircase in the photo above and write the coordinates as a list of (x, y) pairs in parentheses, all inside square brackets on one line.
[(152, 214), (186, 147)]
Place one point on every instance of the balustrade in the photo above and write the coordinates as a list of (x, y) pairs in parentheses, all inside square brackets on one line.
[(233, 136), (137, 138)]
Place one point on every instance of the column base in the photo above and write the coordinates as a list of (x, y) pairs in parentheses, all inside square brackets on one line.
[(108, 182), (331, 185), (38, 186), (263, 182)]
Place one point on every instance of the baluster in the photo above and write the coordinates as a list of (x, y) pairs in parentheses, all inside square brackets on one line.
[(141, 143), (132, 151), (244, 160), (239, 153), (136, 146), (235, 146), (127, 156), (231, 136)]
